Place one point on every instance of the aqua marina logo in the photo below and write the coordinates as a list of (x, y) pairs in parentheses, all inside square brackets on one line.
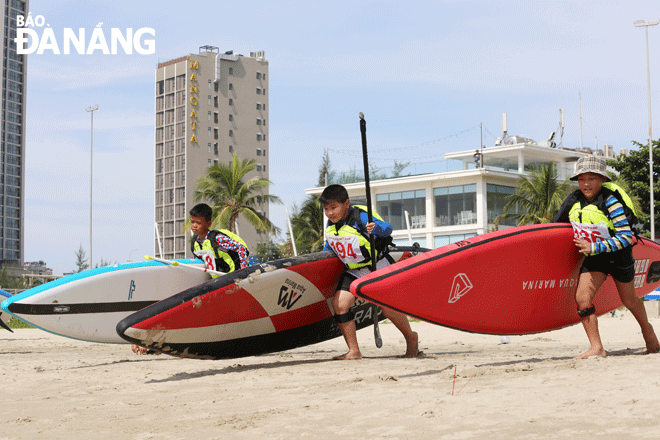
[(34, 35)]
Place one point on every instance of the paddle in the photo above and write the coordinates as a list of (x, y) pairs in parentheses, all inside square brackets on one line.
[(363, 132), (187, 266)]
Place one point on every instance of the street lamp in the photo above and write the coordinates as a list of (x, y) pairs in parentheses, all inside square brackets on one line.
[(91, 110), (642, 23)]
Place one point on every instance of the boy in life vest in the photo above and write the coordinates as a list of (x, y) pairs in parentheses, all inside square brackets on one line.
[(597, 212), (347, 236), (221, 250)]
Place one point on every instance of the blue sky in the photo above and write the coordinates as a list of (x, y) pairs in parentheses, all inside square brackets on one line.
[(419, 70)]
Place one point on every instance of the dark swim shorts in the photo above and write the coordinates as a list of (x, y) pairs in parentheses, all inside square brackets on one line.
[(619, 264)]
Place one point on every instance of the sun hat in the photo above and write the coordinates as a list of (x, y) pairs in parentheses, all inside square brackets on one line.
[(590, 164)]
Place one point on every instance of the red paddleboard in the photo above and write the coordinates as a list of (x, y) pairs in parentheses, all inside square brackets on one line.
[(265, 308), (516, 281)]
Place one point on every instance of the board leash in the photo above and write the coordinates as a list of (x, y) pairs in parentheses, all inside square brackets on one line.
[(372, 241)]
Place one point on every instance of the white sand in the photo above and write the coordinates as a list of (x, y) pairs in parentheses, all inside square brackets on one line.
[(532, 388)]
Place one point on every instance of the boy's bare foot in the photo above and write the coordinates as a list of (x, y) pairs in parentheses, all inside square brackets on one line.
[(348, 356), (592, 352), (652, 345), (412, 350)]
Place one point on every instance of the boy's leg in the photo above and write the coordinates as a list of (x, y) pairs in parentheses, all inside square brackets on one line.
[(401, 322), (588, 285), (636, 307), (341, 304)]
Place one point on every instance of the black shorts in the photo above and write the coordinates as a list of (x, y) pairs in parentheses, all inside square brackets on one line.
[(619, 264), (345, 281)]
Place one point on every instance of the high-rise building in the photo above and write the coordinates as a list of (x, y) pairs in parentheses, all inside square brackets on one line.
[(209, 106), (12, 161)]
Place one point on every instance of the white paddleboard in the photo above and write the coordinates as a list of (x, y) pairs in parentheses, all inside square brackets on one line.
[(88, 305)]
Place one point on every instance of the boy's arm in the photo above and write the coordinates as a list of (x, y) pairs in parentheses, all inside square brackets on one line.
[(382, 229), (235, 246), (623, 234)]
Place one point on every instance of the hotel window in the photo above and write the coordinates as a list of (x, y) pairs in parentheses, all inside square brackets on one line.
[(209, 100), (231, 70), (258, 167), (258, 91), (263, 92), (209, 84), (215, 117), (215, 101), (210, 147), (231, 86), (215, 149), (209, 116), (258, 136), (258, 75), (231, 101), (231, 117), (263, 76), (258, 121), (209, 163), (258, 151), (180, 82), (231, 133), (231, 148), (215, 86), (455, 205), (215, 133), (258, 106), (496, 197), (209, 129), (392, 207)]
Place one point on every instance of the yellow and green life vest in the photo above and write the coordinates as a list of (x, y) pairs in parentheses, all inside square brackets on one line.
[(225, 260), (354, 257)]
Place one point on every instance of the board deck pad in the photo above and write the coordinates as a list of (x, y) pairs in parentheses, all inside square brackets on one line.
[(516, 281), (270, 307), (89, 304)]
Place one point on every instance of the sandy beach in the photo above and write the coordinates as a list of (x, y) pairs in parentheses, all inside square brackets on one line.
[(532, 388)]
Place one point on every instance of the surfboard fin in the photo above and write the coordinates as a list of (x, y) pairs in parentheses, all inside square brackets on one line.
[(5, 326)]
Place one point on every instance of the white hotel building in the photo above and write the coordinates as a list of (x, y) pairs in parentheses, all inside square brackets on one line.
[(451, 206)]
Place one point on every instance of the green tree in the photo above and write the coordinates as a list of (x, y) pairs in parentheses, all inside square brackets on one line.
[(230, 195), (81, 260), (307, 225), (634, 168), (325, 170), (537, 198), (9, 282), (398, 168), (268, 251)]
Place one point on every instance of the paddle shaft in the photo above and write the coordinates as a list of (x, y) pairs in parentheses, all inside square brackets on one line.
[(187, 266), (372, 241)]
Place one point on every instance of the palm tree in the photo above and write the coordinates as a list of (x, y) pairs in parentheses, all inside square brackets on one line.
[(230, 196), (307, 224), (538, 197)]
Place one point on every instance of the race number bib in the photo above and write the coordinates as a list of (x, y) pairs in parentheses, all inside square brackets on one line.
[(590, 233), (347, 248), (208, 256)]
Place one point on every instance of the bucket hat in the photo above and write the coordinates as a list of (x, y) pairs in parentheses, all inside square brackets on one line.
[(590, 164)]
